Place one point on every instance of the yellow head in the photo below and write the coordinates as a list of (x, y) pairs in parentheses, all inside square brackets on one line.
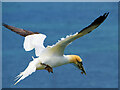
[(77, 61)]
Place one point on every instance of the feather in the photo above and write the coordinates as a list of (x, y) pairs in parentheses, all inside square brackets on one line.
[(34, 41), (28, 71)]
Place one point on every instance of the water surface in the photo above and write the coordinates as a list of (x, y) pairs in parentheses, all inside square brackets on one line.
[(99, 49)]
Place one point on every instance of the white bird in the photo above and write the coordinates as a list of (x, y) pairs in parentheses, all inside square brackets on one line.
[(51, 56)]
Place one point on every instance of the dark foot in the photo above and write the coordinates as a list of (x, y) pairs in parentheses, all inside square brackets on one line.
[(48, 68)]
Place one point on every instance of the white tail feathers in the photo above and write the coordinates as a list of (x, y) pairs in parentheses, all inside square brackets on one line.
[(28, 71)]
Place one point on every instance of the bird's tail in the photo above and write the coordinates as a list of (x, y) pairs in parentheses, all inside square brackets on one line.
[(28, 71)]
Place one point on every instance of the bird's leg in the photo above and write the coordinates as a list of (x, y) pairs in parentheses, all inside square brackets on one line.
[(47, 67)]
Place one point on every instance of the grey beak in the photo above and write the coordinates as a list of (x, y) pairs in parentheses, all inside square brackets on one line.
[(80, 66), (83, 70)]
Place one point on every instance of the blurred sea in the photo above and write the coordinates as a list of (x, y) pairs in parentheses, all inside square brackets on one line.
[(99, 49)]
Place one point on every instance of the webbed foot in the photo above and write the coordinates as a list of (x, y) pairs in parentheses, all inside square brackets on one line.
[(48, 68)]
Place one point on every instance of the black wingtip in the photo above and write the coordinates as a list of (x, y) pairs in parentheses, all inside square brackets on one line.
[(106, 14), (97, 21), (100, 19)]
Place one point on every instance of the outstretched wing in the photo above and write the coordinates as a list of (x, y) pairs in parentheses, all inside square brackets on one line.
[(32, 39), (19, 31), (59, 47), (28, 71)]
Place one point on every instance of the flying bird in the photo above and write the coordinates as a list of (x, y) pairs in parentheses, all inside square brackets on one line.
[(51, 56)]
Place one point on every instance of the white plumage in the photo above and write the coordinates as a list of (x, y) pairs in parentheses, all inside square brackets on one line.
[(34, 41), (51, 56)]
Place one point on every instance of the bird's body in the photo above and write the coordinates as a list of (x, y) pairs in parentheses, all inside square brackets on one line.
[(51, 56), (53, 61)]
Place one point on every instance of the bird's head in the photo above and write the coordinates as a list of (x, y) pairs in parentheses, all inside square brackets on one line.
[(78, 62)]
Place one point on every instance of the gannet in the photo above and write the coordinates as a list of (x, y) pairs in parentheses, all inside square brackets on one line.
[(51, 56)]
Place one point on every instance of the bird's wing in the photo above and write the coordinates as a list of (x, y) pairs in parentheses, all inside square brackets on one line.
[(19, 31), (28, 71), (59, 47), (32, 39)]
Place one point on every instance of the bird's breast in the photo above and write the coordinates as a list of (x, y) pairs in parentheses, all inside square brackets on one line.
[(55, 61)]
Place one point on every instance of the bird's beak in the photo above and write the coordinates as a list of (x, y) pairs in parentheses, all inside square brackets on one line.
[(80, 66)]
